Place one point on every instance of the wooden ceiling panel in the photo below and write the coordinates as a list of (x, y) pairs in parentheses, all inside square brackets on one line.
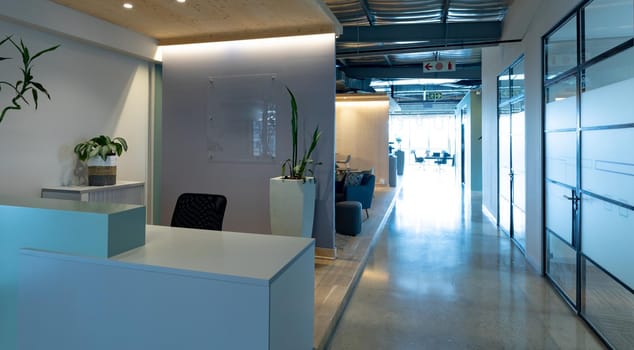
[(171, 22)]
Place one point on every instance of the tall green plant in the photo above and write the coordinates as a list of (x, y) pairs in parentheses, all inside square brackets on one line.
[(298, 165), (26, 84)]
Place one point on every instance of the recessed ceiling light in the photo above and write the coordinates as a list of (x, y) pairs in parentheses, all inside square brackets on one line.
[(181, 1), (128, 5)]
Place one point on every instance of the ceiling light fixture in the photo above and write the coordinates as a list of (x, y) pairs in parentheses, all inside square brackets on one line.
[(181, 1), (127, 5)]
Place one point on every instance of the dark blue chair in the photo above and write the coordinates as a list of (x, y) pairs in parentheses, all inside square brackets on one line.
[(363, 192)]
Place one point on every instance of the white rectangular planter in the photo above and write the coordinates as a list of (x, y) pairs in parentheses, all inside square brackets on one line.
[(292, 206)]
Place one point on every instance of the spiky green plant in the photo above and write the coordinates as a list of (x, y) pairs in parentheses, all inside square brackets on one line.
[(102, 146), (26, 84), (298, 165)]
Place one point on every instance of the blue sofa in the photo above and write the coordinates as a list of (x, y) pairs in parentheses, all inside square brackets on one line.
[(358, 189)]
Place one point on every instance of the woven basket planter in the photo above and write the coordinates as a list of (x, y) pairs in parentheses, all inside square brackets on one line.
[(102, 172)]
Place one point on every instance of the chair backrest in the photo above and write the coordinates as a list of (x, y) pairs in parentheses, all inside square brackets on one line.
[(199, 210), (344, 161)]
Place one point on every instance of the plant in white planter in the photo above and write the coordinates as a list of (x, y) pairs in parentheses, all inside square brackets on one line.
[(292, 196), (100, 153)]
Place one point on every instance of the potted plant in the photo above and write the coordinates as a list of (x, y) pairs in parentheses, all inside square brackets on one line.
[(100, 153), (292, 195), (26, 86)]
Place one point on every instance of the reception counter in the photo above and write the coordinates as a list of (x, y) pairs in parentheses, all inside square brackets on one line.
[(98, 230), (184, 289)]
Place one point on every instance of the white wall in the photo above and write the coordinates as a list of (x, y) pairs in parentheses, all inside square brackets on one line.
[(527, 20), (306, 65), (362, 130), (93, 91)]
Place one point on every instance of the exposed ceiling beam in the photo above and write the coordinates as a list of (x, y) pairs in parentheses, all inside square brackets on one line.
[(343, 54), (405, 72), (467, 31), (445, 11), (368, 13)]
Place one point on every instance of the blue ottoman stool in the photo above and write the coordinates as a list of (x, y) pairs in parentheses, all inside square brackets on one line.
[(348, 218)]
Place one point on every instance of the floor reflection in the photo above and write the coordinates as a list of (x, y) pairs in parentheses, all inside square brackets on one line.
[(442, 277)]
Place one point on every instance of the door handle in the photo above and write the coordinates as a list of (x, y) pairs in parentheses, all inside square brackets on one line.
[(574, 199)]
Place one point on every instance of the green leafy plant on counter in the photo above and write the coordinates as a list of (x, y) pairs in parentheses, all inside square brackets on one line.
[(102, 146)]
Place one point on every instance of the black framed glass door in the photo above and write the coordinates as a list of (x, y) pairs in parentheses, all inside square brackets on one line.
[(511, 152), (589, 166)]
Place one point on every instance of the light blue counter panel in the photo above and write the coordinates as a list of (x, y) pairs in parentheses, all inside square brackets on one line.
[(184, 289), (71, 227)]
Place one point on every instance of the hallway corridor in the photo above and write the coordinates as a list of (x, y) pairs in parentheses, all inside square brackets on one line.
[(442, 277)]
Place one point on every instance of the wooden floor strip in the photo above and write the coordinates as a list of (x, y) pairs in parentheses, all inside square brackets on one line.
[(335, 279)]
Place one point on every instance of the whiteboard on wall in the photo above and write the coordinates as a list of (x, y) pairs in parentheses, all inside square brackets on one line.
[(242, 117)]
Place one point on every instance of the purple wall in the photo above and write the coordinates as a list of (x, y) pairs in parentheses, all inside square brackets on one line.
[(307, 65)]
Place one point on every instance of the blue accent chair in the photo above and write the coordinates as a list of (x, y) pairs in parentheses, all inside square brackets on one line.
[(362, 193)]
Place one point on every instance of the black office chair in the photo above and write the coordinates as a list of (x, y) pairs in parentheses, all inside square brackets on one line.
[(199, 210)]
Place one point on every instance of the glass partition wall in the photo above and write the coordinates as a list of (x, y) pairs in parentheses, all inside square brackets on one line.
[(511, 151), (589, 165)]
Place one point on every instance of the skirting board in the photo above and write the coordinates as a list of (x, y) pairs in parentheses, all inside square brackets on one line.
[(489, 215), (326, 253)]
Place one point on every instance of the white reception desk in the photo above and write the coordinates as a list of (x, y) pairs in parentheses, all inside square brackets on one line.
[(184, 289)]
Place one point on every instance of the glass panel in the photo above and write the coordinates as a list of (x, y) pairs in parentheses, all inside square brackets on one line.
[(561, 105), (559, 211), (519, 170), (608, 91), (608, 23), (503, 87), (518, 79), (608, 167), (562, 266), (609, 307), (519, 173), (561, 49), (607, 237), (242, 122), (561, 157), (505, 168)]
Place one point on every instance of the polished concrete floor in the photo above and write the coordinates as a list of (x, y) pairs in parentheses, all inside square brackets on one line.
[(442, 277)]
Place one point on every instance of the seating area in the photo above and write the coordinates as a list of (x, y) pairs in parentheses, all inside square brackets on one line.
[(437, 158)]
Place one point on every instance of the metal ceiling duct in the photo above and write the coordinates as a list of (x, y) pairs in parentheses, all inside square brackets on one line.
[(387, 12)]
